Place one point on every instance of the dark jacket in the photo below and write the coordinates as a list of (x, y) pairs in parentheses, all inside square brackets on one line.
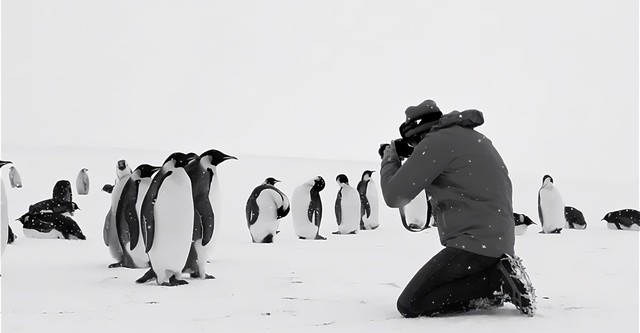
[(468, 182)]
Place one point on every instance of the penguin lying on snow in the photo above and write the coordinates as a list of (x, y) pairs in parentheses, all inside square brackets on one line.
[(50, 226), (61, 201), (624, 219), (522, 222), (265, 207), (574, 218)]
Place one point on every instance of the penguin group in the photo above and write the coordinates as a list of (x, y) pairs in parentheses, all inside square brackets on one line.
[(165, 217)]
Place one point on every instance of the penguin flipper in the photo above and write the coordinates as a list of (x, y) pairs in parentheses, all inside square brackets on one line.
[(284, 209), (540, 211), (126, 214), (207, 219), (105, 229), (252, 211), (147, 208), (339, 207)]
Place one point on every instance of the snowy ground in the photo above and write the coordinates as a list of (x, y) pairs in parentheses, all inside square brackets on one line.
[(586, 281)]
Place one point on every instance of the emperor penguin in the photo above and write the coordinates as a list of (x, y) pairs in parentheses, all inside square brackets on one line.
[(127, 221), (416, 214), (4, 214), (14, 177), (574, 218), (203, 173), (550, 207), (522, 222), (347, 207), (110, 231), (167, 215), (50, 225), (82, 182), (368, 202), (624, 219), (306, 209), (265, 207)]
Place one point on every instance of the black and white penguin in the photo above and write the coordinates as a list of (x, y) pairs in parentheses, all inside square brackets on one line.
[(368, 202), (82, 182), (50, 226), (167, 216), (574, 219), (265, 207), (14, 177), (550, 207), (624, 219), (11, 237), (61, 201), (110, 231), (203, 172), (347, 207), (522, 222), (306, 209), (127, 221), (4, 214), (415, 215)]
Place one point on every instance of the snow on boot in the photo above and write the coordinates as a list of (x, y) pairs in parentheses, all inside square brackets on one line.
[(517, 287)]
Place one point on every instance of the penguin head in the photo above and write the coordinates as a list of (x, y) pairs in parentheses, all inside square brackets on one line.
[(270, 181), (216, 156), (3, 163), (62, 191), (342, 179), (146, 170), (122, 169), (84, 170), (547, 180), (180, 160), (606, 217), (318, 183), (122, 164), (366, 175)]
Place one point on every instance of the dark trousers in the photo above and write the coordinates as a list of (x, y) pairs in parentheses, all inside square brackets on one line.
[(447, 282)]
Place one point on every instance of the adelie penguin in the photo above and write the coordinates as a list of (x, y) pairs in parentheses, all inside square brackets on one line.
[(624, 219), (522, 223), (368, 202), (167, 215), (265, 207), (203, 173), (347, 207), (306, 209), (127, 221), (550, 207), (110, 231), (574, 218)]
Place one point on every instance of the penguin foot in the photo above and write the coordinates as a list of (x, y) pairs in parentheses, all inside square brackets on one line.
[(353, 232), (268, 239), (175, 282), (209, 277), (117, 264), (336, 233), (318, 237), (376, 227), (148, 276)]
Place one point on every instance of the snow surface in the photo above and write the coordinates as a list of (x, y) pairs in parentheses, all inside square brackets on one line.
[(586, 280)]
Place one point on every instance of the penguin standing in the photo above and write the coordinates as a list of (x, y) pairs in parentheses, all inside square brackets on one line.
[(265, 207), (127, 222), (167, 215), (4, 215), (306, 209), (14, 177), (82, 182), (624, 219), (203, 172), (110, 231), (347, 207), (550, 207), (368, 202), (416, 214), (522, 222), (574, 218)]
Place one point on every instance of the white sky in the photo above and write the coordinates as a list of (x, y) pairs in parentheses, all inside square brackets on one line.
[(556, 80)]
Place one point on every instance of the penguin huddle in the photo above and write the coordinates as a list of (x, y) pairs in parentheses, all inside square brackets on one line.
[(165, 217)]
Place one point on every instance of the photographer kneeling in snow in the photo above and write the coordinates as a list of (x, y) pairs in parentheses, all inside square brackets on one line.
[(471, 196)]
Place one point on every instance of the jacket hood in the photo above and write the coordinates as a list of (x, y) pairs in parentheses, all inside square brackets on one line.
[(469, 118)]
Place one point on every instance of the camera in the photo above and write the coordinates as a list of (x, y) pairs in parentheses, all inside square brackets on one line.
[(403, 148)]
